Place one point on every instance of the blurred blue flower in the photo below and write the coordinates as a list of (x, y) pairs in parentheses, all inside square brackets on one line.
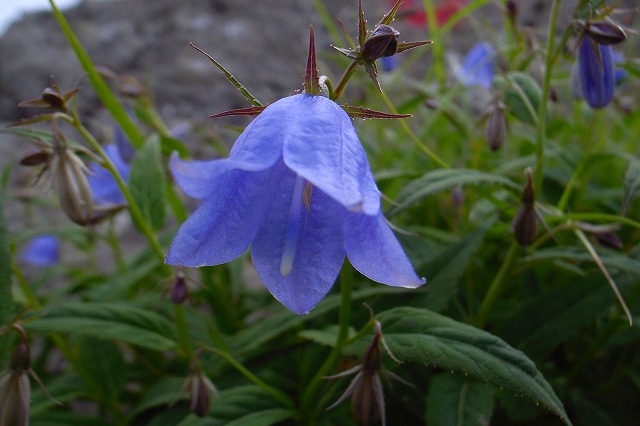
[(103, 186), (389, 63), (43, 250), (595, 72), (296, 186), (478, 66)]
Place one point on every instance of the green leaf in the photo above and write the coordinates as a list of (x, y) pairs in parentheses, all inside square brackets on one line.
[(108, 321), (162, 392), (446, 269), (263, 418), (454, 400), (422, 336), (631, 184), (6, 301), (522, 96), (441, 179), (147, 182)]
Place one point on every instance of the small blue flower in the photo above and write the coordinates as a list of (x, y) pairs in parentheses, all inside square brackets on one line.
[(103, 186), (478, 66), (389, 63), (296, 186), (595, 71), (43, 250)]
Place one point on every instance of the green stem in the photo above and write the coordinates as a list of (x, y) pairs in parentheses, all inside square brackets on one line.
[(134, 209), (346, 75), (496, 286), (542, 110), (275, 393), (182, 330), (308, 402), (116, 248), (438, 48), (439, 161)]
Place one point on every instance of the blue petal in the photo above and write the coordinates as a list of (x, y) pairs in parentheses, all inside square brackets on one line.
[(198, 179), (321, 145), (596, 73), (477, 66), (375, 252), (43, 250), (319, 251), (103, 186), (222, 227)]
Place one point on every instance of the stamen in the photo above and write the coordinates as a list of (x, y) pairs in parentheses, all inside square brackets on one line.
[(293, 228)]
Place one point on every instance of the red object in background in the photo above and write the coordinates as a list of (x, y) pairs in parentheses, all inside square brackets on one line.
[(413, 12)]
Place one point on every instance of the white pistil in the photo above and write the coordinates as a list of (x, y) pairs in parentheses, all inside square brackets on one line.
[(293, 228)]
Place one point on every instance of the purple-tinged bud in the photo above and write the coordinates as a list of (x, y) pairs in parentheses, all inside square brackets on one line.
[(609, 239), (605, 32), (199, 396), (179, 291), (525, 225), (495, 130), (382, 42), (595, 70), (512, 9)]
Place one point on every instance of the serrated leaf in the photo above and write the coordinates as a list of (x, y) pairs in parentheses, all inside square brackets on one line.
[(6, 301), (631, 184), (147, 182), (446, 269), (109, 321), (442, 179), (455, 400), (522, 96), (423, 336)]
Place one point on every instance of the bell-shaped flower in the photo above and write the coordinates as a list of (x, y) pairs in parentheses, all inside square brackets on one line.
[(41, 251), (477, 67), (595, 72), (296, 186)]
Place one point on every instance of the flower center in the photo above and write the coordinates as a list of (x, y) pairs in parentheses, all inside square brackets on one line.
[(301, 195)]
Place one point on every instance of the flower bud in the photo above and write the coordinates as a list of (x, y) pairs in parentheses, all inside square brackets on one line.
[(512, 9), (609, 239), (595, 70), (525, 225), (495, 130), (199, 397), (605, 32), (179, 289), (382, 42), (15, 388)]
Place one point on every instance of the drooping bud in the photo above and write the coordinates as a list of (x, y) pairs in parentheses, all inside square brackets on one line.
[(512, 10), (605, 32), (15, 388), (609, 239), (179, 291), (495, 130), (525, 225), (199, 387), (595, 70), (382, 42)]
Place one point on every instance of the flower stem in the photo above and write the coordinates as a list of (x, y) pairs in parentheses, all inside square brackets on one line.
[(182, 330), (542, 110), (308, 405), (496, 286), (346, 75)]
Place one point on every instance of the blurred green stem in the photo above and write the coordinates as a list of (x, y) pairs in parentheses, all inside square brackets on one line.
[(346, 75), (308, 401), (116, 248), (183, 330), (542, 110), (438, 48), (496, 286)]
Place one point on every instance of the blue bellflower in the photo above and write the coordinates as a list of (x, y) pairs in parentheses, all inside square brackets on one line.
[(478, 66), (296, 186), (42, 251), (595, 72)]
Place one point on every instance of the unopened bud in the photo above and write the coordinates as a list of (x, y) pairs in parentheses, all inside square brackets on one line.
[(512, 9), (382, 42), (54, 98), (179, 289), (199, 396), (525, 225), (605, 32), (20, 358), (595, 70), (495, 129), (35, 159), (609, 239), (15, 388)]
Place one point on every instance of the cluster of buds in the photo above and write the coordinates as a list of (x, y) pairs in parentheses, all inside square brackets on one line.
[(367, 397), (382, 42)]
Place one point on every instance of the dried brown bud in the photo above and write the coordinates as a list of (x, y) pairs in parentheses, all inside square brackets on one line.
[(605, 32), (495, 129), (525, 225), (15, 388), (383, 41)]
